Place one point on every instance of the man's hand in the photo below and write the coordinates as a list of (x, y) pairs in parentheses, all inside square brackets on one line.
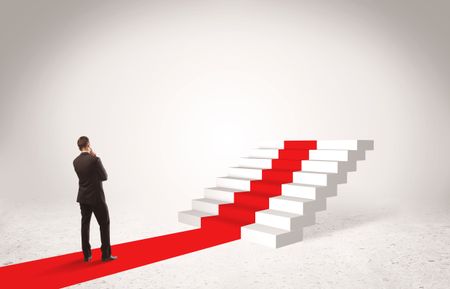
[(91, 152)]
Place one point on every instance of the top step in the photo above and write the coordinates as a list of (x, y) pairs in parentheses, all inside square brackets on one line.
[(351, 145)]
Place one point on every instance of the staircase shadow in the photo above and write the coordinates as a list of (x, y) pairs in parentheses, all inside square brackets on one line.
[(328, 222)]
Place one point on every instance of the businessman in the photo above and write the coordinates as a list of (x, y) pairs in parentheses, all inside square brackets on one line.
[(91, 197)]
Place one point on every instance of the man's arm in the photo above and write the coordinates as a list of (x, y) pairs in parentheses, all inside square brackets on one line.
[(101, 170)]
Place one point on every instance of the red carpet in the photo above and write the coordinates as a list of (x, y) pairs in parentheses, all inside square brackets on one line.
[(65, 270)]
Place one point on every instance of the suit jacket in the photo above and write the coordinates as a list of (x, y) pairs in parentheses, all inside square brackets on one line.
[(91, 174)]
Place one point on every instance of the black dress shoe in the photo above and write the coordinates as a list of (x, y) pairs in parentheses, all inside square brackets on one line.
[(87, 258), (110, 258)]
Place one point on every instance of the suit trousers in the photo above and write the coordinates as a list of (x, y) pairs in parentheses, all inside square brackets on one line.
[(101, 213)]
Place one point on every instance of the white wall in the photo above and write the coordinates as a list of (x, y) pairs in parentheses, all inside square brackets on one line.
[(171, 93)]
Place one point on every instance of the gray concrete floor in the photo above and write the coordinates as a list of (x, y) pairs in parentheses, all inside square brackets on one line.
[(380, 248)]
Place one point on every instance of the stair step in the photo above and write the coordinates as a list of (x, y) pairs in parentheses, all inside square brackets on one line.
[(244, 172), (293, 154), (192, 217), (321, 166), (289, 144), (241, 184), (238, 213), (284, 176), (252, 200), (345, 145), (319, 179), (266, 187), (284, 220), (207, 205), (300, 144), (308, 191), (307, 178), (264, 153), (329, 155), (276, 175), (296, 205), (220, 194), (282, 164), (270, 236), (320, 144), (257, 163), (337, 155)]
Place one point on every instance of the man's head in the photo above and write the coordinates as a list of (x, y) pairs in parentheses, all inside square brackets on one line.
[(83, 143)]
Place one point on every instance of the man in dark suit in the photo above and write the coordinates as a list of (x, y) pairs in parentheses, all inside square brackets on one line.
[(91, 197)]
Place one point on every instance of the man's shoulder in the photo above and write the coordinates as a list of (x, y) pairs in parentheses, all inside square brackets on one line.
[(82, 157), (76, 158)]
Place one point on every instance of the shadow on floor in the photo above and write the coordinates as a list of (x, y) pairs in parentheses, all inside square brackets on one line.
[(329, 222)]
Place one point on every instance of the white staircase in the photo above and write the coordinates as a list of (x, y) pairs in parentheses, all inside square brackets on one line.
[(281, 224)]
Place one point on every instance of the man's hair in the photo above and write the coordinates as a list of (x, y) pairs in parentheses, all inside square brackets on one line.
[(82, 142)]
